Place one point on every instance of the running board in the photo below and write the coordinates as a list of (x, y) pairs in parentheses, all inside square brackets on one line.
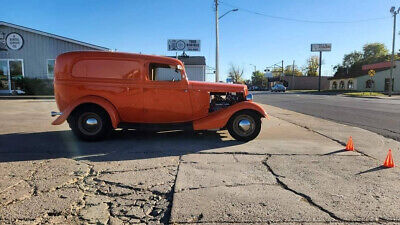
[(157, 126)]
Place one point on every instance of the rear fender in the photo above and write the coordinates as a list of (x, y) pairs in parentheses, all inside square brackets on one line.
[(105, 104), (220, 118)]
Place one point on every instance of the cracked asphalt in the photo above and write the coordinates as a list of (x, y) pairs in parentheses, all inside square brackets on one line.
[(295, 172)]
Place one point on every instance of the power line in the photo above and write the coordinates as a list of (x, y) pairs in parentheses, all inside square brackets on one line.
[(302, 20)]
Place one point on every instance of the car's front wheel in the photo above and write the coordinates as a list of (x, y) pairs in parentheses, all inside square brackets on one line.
[(244, 125), (90, 123)]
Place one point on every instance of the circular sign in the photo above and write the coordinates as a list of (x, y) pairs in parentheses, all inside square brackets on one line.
[(180, 45), (14, 41), (371, 73)]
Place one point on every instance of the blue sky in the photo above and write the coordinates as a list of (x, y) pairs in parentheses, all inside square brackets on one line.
[(245, 38)]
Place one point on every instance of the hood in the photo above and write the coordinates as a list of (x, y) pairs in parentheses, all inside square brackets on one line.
[(218, 87)]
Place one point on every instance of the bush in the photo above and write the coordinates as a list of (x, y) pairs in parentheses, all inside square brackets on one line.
[(35, 86)]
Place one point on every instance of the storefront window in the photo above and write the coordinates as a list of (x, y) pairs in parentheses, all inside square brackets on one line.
[(334, 85), (3, 75), (350, 84), (369, 84), (50, 68), (341, 85)]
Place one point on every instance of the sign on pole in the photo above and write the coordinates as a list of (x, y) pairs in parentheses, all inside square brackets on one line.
[(321, 47), (183, 45), (371, 73)]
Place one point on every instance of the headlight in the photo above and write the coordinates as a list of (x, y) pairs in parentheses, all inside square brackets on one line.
[(249, 97)]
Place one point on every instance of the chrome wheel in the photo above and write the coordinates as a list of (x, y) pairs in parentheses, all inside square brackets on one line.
[(90, 123), (244, 125)]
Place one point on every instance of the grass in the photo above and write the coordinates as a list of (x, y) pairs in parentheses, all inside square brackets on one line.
[(363, 94)]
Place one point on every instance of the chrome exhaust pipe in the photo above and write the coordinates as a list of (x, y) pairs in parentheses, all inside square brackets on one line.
[(53, 114)]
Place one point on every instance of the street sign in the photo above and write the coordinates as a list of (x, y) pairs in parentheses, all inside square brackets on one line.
[(228, 80), (183, 45), (371, 73), (321, 47)]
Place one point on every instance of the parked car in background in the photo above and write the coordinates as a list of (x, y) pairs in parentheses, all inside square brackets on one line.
[(278, 88), (100, 91)]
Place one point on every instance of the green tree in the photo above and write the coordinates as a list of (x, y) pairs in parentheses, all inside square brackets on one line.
[(289, 71), (375, 51), (352, 58), (276, 71), (236, 74), (311, 68), (258, 79)]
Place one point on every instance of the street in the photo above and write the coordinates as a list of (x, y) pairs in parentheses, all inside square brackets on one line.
[(296, 171), (381, 116)]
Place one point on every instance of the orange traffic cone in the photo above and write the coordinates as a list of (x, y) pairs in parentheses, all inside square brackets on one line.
[(389, 160), (350, 145)]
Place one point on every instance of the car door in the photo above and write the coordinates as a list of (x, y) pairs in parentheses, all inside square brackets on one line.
[(165, 95)]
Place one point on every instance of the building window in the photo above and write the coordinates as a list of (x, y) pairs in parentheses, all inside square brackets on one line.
[(341, 85), (334, 85), (369, 83), (350, 84), (50, 68)]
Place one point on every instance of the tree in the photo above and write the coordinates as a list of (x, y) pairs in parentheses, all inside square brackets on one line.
[(236, 74), (352, 58), (258, 79), (276, 71), (311, 69), (289, 71), (375, 50)]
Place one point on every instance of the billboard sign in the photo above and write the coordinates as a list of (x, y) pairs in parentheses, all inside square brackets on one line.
[(183, 45), (321, 47)]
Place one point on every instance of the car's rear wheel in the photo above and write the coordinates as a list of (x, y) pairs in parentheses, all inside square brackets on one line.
[(244, 125), (90, 123)]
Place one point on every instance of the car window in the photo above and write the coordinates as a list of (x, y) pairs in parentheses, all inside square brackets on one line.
[(164, 72)]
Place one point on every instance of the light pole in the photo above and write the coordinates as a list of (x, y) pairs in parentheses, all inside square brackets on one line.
[(217, 38), (394, 13)]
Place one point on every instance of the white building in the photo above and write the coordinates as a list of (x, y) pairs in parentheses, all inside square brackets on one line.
[(195, 67)]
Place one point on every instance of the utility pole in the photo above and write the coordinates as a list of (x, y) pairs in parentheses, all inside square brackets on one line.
[(282, 68), (394, 12), (319, 72), (216, 43)]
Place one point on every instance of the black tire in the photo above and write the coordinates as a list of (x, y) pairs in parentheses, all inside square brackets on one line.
[(90, 123), (238, 132)]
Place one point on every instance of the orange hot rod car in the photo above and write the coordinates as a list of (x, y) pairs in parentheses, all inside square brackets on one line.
[(100, 91)]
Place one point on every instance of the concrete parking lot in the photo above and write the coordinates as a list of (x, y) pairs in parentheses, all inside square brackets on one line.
[(295, 172)]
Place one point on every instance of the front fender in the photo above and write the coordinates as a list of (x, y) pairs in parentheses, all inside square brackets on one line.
[(218, 119), (105, 104)]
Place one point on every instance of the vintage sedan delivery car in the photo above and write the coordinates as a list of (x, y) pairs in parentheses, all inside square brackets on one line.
[(100, 91)]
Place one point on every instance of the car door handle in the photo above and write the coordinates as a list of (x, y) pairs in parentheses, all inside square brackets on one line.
[(185, 90)]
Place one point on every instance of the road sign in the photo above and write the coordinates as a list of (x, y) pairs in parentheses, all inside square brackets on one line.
[(371, 73), (321, 47), (183, 45)]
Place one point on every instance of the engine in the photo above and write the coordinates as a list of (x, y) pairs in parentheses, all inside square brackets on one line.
[(222, 100)]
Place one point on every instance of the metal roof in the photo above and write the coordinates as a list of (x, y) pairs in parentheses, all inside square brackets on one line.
[(2, 23)]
